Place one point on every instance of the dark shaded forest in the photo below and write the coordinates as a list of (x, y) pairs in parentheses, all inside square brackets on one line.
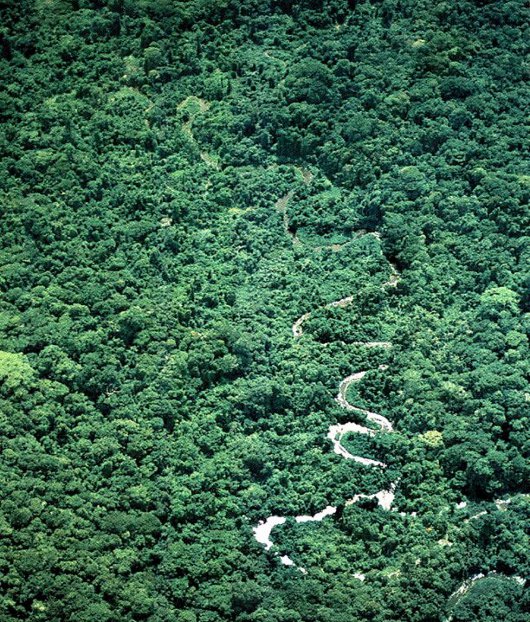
[(182, 181)]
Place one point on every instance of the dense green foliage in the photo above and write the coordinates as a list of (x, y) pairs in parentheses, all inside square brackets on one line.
[(154, 405)]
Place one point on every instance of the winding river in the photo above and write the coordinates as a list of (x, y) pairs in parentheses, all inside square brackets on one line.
[(336, 432)]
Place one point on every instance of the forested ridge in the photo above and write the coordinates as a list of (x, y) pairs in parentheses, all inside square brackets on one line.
[(189, 190)]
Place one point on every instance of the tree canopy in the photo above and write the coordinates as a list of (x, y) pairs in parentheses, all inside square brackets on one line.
[(183, 182)]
